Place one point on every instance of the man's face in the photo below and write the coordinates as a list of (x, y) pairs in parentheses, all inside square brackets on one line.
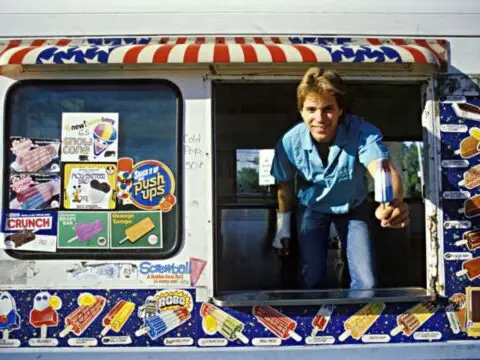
[(321, 114)]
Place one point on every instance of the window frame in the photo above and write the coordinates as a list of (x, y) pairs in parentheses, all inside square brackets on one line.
[(97, 254)]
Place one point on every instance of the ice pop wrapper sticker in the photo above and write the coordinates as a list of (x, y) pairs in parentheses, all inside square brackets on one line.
[(471, 239), (124, 180), (470, 146), (9, 318), (471, 178), (89, 308), (34, 192), (321, 319), (153, 186), (29, 231), (456, 312), (279, 324), (216, 320), (44, 314), (466, 110), (470, 269), (30, 155), (471, 207), (117, 316), (411, 320), (163, 312), (90, 137), (89, 186), (136, 229), (358, 324)]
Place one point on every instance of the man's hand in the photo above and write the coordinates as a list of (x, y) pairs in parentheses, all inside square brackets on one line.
[(394, 215), (281, 241)]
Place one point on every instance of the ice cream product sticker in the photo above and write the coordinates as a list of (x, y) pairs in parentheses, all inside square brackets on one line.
[(30, 155), (89, 308), (29, 231), (44, 315), (9, 319), (89, 137), (89, 186), (88, 230), (153, 186), (138, 229), (34, 192)]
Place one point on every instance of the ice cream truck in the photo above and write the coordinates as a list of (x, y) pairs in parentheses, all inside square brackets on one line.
[(138, 209)]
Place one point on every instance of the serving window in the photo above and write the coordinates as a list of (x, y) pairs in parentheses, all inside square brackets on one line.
[(91, 168), (249, 119)]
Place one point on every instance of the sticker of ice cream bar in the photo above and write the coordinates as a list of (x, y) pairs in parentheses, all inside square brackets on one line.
[(412, 319), (471, 207), (164, 312), (456, 313), (9, 317), (470, 146), (44, 312), (466, 111), (89, 308), (216, 320), (470, 269), (471, 239), (117, 316), (31, 157)]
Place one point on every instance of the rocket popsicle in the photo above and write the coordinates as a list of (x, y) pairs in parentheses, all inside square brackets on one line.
[(471, 239), (81, 318), (228, 326), (321, 319), (471, 208), (86, 231), (35, 159), (138, 230), (117, 316), (471, 178), (471, 268), (160, 324), (412, 319), (279, 324), (359, 323), (383, 182), (9, 317)]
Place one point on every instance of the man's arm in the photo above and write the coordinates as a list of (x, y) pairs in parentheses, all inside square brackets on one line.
[(395, 214), (285, 197)]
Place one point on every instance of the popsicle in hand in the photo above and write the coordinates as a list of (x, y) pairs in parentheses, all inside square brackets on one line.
[(359, 323), (36, 196), (160, 324), (86, 231), (413, 318), (138, 230), (279, 324), (35, 159), (228, 326), (321, 319), (81, 318), (471, 239), (383, 182), (117, 316)]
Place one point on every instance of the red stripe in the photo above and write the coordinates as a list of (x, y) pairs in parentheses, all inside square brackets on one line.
[(200, 40), (220, 40), (240, 40), (278, 56), (181, 40), (276, 40), (63, 42), (258, 40), (38, 42), (417, 55), (221, 53), (374, 41), (399, 42), (18, 56), (424, 43), (249, 53), (164, 40), (11, 44), (308, 56), (161, 55), (131, 56), (191, 53)]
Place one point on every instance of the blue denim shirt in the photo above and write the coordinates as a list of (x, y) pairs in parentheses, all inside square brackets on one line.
[(340, 186)]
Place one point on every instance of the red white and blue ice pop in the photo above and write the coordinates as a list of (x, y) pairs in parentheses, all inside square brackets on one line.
[(383, 182), (9, 318), (160, 324)]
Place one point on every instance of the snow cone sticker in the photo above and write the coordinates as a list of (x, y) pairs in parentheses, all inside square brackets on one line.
[(153, 186)]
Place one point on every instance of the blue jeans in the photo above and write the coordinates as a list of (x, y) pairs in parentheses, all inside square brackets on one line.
[(353, 229)]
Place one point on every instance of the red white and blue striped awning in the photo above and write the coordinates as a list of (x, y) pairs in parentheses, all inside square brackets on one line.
[(222, 50)]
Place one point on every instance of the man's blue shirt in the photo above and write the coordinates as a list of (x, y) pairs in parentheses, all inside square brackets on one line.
[(341, 185)]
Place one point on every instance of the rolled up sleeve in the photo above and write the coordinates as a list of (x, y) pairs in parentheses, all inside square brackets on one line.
[(282, 168), (371, 145)]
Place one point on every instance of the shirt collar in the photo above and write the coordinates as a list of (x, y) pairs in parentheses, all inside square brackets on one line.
[(341, 137)]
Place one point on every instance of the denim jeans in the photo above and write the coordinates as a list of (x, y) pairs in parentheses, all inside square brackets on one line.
[(353, 228)]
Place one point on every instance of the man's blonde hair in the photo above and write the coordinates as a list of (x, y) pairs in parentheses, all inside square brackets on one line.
[(317, 80)]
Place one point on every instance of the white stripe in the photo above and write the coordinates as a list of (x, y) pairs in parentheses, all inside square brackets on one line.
[(5, 57), (263, 55), (292, 55), (177, 54), (322, 54), (146, 55), (205, 54), (236, 53), (118, 54)]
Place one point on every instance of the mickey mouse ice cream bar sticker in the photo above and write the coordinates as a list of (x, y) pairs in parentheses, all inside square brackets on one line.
[(150, 183)]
